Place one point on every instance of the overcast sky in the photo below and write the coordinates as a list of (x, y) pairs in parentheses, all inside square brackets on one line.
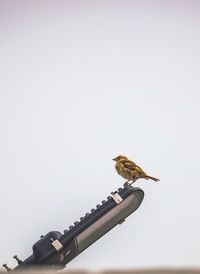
[(80, 83)]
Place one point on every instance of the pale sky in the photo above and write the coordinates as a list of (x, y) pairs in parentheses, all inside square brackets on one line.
[(80, 83)]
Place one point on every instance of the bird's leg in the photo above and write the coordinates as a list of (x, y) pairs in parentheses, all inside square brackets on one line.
[(127, 183), (133, 181)]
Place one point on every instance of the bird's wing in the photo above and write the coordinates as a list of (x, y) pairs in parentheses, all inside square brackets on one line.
[(132, 166), (129, 164), (140, 170)]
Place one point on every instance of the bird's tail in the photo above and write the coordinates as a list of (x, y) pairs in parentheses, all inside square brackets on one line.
[(152, 178)]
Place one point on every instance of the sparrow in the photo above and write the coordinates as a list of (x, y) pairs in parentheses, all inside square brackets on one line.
[(130, 171)]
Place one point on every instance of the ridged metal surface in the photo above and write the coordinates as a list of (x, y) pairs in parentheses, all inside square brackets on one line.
[(107, 222)]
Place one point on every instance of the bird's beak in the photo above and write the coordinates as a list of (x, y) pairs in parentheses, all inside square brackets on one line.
[(114, 159)]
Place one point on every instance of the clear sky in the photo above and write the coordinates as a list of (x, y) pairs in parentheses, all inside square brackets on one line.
[(80, 83)]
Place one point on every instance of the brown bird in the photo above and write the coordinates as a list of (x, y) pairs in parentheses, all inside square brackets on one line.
[(130, 171)]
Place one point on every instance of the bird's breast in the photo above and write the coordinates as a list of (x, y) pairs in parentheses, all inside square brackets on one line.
[(121, 170)]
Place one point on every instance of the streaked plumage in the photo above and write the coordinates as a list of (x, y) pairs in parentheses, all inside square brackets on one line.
[(129, 170)]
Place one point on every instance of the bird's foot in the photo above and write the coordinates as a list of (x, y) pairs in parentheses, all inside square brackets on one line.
[(127, 184)]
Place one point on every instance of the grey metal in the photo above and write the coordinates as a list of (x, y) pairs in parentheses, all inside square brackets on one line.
[(56, 249), (106, 223)]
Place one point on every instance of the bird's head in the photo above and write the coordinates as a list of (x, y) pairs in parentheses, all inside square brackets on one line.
[(120, 157)]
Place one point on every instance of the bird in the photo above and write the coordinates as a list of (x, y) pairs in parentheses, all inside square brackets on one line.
[(130, 171)]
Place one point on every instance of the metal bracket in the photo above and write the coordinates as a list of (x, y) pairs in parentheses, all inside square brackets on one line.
[(57, 245), (116, 197), (121, 221)]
